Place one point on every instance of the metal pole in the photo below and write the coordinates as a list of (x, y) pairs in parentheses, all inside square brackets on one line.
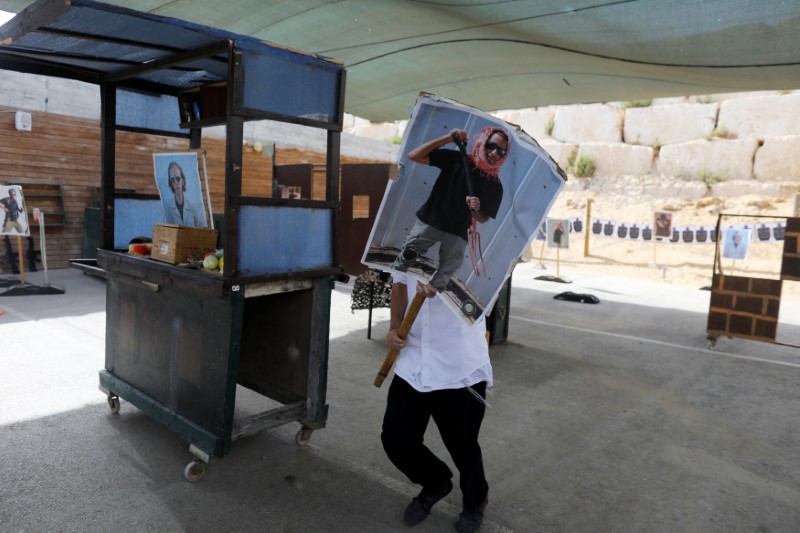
[(655, 242), (43, 245), (371, 302), (558, 260)]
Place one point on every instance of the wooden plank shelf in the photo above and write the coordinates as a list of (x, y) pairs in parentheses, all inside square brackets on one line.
[(49, 198)]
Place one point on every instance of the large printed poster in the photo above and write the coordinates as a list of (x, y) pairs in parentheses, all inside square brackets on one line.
[(470, 195), (736, 243), (15, 217), (178, 180), (558, 233)]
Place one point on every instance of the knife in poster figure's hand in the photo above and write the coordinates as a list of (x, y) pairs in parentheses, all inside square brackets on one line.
[(473, 237)]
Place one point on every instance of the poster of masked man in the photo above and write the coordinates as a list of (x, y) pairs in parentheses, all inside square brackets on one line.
[(470, 195), (15, 217), (558, 233)]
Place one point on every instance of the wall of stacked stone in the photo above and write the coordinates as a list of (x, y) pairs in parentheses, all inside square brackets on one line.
[(723, 144), (745, 142)]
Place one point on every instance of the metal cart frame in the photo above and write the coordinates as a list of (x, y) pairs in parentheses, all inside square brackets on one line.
[(179, 341)]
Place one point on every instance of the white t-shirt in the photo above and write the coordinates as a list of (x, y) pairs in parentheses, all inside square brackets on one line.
[(441, 351)]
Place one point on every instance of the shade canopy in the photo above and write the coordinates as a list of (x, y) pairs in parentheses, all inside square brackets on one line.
[(170, 75), (494, 55)]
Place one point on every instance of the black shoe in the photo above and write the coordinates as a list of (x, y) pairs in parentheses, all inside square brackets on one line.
[(420, 507), (471, 519)]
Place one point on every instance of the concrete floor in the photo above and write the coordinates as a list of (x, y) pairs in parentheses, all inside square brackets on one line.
[(609, 417)]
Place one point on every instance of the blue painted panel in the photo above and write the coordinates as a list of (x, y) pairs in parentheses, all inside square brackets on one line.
[(135, 218), (302, 87), (273, 240), (148, 111)]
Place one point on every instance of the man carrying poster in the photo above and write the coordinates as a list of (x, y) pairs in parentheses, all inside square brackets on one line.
[(443, 373), (445, 216), (438, 306)]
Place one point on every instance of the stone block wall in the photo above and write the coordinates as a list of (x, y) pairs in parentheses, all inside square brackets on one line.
[(731, 159), (750, 138), (750, 141), (761, 117), (588, 123), (778, 159), (669, 124), (613, 159)]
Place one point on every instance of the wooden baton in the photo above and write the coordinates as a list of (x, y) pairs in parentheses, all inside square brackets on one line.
[(402, 332)]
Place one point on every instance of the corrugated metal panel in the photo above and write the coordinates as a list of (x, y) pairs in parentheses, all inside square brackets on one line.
[(135, 218), (309, 93), (149, 111), (280, 239)]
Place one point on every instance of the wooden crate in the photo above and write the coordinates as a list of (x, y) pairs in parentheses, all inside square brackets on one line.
[(175, 244)]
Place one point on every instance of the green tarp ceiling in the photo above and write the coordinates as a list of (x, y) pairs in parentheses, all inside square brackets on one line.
[(516, 54)]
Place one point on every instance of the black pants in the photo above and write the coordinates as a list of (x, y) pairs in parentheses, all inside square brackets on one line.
[(458, 415)]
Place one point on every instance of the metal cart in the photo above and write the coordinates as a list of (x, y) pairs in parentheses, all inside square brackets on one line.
[(179, 341)]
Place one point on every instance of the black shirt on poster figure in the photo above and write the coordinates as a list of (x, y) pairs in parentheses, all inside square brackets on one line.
[(441, 212), (558, 231), (446, 215)]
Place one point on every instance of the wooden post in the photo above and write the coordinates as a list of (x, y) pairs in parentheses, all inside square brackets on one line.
[(402, 332), (21, 261), (655, 242), (588, 229), (558, 260)]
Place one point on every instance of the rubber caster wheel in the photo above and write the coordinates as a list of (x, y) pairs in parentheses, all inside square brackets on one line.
[(469, 308), (303, 436), (113, 404), (194, 470), (712, 341)]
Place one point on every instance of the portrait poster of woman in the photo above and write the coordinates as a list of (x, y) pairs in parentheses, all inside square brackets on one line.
[(426, 225), (14, 211), (178, 180), (736, 243), (558, 233)]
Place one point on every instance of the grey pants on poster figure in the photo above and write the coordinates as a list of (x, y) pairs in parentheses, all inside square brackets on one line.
[(420, 239)]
